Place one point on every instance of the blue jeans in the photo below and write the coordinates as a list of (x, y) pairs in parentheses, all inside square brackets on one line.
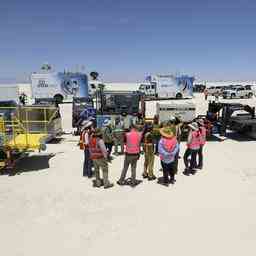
[(87, 169)]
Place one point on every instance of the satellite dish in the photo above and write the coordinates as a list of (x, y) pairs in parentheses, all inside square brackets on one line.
[(94, 75)]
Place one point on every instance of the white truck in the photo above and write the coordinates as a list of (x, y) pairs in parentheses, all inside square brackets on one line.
[(239, 92), (168, 86), (185, 111), (9, 92), (60, 86)]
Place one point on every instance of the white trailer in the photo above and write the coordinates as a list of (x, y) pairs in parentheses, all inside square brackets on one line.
[(168, 86), (9, 92), (185, 111), (49, 84)]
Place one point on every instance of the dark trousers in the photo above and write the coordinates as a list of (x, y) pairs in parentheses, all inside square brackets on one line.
[(192, 163), (200, 157), (156, 145), (109, 147), (168, 171), (130, 160), (87, 169)]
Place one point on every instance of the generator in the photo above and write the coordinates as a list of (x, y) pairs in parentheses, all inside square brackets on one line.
[(185, 111), (120, 103)]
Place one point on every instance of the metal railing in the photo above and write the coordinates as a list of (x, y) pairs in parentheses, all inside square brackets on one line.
[(16, 121)]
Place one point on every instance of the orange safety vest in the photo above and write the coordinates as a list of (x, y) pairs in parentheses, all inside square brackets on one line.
[(95, 151), (82, 141), (133, 140)]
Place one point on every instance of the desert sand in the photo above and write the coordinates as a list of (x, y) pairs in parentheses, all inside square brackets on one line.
[(50, 209)]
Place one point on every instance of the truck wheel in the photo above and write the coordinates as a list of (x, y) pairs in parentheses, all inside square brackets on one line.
[(58, 98), (250, 95), (233, 96), (178, 96)]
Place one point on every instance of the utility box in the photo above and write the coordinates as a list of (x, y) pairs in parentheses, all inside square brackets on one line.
[(185, 111)]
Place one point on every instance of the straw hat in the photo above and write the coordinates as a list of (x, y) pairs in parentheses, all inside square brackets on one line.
[(194, 126), (166, 132)]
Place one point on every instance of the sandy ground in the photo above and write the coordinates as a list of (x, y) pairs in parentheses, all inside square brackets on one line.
[(50, 209)]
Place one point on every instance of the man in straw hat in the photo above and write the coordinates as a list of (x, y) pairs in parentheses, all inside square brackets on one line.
[(168, 149), (99, 156), (193, 145), (84, 145)]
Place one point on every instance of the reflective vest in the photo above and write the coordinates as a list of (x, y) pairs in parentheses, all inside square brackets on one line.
[(196, 140), (95, 151), (202, 136), (133, 140), (82, 141)]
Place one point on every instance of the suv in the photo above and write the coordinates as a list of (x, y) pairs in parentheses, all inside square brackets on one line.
[(214, 89), (239, 92)]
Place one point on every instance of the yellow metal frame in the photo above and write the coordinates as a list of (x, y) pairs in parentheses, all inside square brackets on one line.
[(16, 134)]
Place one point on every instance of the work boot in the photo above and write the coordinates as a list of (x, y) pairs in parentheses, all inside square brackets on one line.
[(145, 175), (172, 180), (97, 183), (152, 178), (110, 185), (186, 172), (121, 182), (193, 172), (134, 183)]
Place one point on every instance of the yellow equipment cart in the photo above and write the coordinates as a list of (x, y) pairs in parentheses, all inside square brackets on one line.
[(25, 129)]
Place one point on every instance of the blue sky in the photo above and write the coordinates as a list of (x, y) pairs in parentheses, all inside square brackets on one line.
[(126, 40)]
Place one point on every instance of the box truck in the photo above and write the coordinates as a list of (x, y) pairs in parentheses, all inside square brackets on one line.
[(168, 86), (60, 86)]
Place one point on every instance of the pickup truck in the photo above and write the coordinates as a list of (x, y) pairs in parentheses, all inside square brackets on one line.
[(240, 92)]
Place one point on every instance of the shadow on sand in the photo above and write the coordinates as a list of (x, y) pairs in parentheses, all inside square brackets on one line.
[(30, 164), (239, 137), (55, 141)]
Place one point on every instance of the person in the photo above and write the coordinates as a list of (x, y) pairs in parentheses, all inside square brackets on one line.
[(118, 135), (178, 124), (108, 136), (156, 133), (202, 130), (193, 145), (132, 155), (149, 155), (23, 99), (84, 145), (168, 148), (205, 94), (99, 156), (217, 95)]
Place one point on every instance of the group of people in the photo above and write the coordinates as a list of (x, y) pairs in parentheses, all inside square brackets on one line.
[(151, 140)]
